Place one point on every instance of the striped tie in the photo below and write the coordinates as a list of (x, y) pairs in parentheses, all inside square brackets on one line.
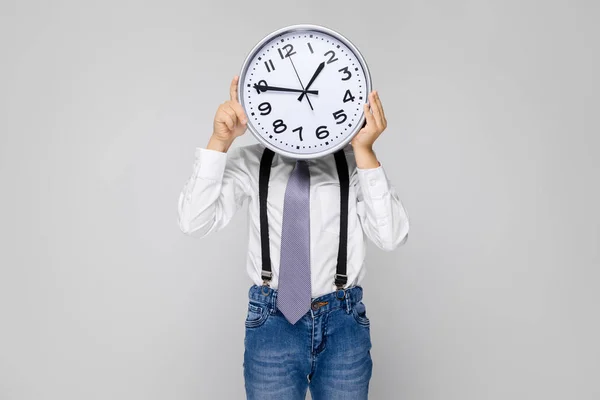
[(294, 289)]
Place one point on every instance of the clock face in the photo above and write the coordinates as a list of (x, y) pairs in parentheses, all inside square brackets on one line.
[(303, 90)]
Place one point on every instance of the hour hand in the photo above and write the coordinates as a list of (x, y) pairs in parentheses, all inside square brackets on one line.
[(317, 72), (264, 88)]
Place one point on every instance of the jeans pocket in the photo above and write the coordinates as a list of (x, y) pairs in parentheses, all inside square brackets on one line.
[(359, 311), (257, 315)]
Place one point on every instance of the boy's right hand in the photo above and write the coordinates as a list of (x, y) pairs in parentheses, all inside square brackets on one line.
[(230, 120)]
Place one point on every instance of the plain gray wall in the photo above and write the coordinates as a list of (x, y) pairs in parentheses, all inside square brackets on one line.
[(492, 144)]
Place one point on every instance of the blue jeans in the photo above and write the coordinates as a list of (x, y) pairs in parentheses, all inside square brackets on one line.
[(327, 350)]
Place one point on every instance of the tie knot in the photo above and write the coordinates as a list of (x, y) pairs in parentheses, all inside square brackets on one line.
[(302, 165), (300, 172)]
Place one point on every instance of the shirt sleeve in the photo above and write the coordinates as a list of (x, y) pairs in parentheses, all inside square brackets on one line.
[(215, 191), (381, 213)]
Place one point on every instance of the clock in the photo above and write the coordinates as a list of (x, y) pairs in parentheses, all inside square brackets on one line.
[(303, 88)]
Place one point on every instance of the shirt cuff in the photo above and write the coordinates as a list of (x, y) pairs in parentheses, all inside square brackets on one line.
[(373, 181), (210, 164)]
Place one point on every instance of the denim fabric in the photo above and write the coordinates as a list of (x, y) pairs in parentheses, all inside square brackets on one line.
[(326, 351)]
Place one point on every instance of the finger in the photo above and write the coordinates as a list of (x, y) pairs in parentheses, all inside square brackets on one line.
[(229, 111), (375, 108), (233, 88), (368, 115), (223, 118), (228, 121), (239, 111), (383, 119)]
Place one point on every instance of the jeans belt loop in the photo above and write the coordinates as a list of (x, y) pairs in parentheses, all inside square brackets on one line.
[(348, 301), (273, 301)]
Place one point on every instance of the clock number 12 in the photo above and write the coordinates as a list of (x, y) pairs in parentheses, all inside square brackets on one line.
[(289, 51)]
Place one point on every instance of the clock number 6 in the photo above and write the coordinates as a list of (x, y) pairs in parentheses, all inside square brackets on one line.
[(322, 132), (279, 126)]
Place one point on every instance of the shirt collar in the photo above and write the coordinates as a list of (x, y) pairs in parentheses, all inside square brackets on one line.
[(290, 160)]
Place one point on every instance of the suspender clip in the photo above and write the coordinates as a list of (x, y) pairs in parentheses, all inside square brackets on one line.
[(266, 276), (340, 281)]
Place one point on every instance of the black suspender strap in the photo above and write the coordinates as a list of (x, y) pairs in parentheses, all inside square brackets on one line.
[(263, 182), (263, 190), (342, 167)]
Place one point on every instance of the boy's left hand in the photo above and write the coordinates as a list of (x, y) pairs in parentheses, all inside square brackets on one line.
[(375, 123)]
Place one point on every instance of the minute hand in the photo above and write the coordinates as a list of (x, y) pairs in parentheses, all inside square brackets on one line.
[(317, 72), (265, 88)]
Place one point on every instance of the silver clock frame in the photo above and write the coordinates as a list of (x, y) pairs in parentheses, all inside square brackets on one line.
[(300, 28)]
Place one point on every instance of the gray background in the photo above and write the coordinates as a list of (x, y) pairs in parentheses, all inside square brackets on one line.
[(492, 144)]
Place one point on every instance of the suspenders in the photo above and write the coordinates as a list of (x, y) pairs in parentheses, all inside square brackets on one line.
[(265, 171)]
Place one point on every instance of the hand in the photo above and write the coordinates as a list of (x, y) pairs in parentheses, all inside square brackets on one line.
[(317, 72), (264, 88), (375, 124), (230, 120), (300, 80)]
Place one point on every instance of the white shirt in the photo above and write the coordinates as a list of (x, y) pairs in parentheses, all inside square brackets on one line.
[(222, 182)]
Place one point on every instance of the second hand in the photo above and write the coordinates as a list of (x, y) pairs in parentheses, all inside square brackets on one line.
[(309, 103)]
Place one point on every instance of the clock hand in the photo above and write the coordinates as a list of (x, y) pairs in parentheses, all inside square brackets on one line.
[(317, 72), (299, 80), (265, 88)]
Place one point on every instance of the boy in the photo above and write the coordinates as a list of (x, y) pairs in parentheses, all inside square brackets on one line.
[(323, 342)]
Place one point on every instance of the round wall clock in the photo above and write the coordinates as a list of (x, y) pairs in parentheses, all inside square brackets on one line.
[(303, 88)]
